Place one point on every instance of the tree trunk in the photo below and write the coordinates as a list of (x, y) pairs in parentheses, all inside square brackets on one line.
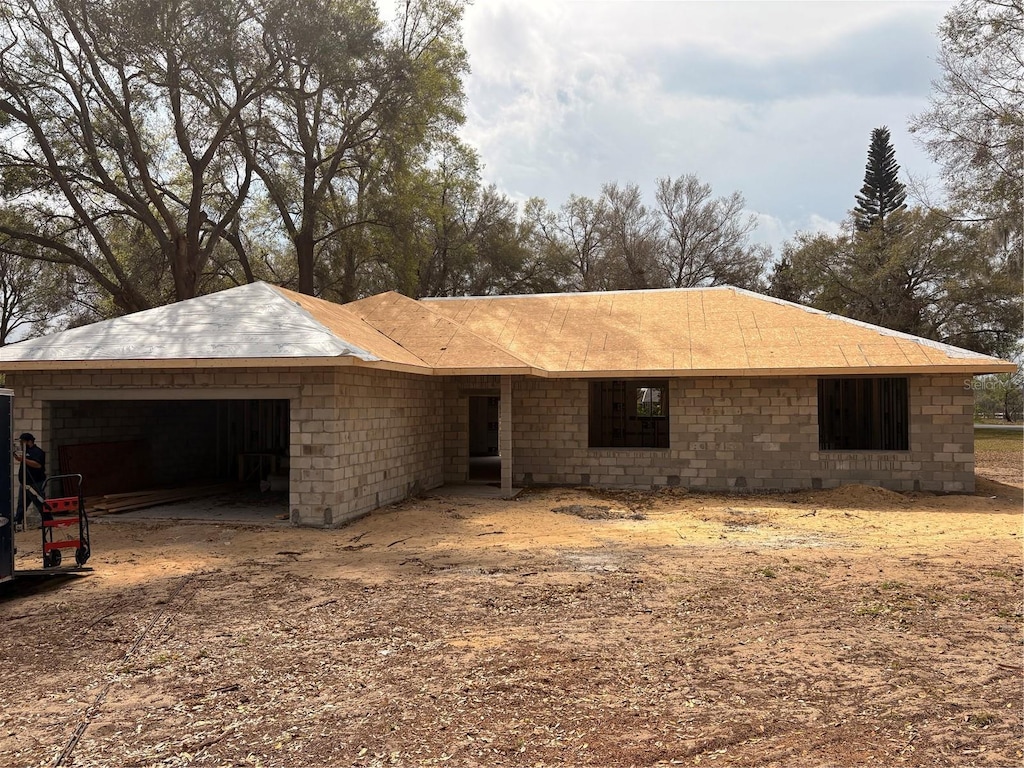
[(183, 268), (304, 259), (348, 278)]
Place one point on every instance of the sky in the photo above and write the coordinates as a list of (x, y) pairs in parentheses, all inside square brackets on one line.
[(775, 100)]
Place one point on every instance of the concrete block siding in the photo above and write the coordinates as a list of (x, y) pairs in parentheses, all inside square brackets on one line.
[(379, 441), (361, 438), (742, 434), (358, 438)]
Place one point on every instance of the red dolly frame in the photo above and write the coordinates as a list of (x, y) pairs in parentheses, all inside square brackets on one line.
[(63, 512)]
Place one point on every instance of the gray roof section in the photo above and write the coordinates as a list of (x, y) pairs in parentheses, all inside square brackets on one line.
[(251, 321)]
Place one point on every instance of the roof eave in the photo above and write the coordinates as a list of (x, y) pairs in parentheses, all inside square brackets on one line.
[(14, 366), (489, 371), (966, 369), (975, 368)]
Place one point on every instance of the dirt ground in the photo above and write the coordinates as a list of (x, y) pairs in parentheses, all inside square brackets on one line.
[(568, 627)]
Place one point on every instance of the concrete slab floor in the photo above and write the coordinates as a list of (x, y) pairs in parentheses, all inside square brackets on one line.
[(473, 490), (250, 508), (264, 508)]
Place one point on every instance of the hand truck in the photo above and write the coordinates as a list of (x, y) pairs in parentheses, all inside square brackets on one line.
[(60, 515)]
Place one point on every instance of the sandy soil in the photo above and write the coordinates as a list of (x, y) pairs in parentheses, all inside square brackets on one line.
[(842, 628)]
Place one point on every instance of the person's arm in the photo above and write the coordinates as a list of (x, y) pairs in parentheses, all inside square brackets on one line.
[(28, 462)]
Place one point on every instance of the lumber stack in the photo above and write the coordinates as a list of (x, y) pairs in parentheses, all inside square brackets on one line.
[(113, 503)]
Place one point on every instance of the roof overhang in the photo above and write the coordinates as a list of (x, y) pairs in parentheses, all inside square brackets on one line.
[(677, 333), (67, 366)]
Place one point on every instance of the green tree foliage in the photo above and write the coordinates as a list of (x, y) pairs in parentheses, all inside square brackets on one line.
[(167, 148), (122, 120), (448, 234), (357, 102), (974, 125), (932, 278), (783, 280), (916, 270), (883, 193)]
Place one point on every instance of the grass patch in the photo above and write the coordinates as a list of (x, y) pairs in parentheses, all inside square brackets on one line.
[(999, 441), (871, 609), (982, 719)]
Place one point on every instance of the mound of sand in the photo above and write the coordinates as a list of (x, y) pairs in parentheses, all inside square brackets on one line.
[(860, 496)]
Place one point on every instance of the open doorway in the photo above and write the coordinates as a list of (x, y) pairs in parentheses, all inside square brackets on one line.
[(484, 458)]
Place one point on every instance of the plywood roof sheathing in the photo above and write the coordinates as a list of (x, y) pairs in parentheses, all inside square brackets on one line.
[(713, 331)]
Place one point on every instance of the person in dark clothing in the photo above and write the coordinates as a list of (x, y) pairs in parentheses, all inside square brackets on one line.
[(31, 475)]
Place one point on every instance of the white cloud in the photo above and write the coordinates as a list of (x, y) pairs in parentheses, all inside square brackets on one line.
[(764, 98), (774, 232)]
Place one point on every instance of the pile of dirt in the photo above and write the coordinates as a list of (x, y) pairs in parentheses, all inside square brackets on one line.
[(856, 496), (733, 517), (594, 512)]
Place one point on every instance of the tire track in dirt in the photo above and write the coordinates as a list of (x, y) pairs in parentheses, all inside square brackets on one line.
[(176, 600)]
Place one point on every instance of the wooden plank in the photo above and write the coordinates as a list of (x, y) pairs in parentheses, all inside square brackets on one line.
[(155, 497)]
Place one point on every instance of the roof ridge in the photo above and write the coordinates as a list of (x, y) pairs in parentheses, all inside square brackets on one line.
[(576, 293), (419, 302), (288, 294)]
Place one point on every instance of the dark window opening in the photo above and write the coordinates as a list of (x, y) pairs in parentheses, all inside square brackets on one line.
[(629, 414), (863, 415)]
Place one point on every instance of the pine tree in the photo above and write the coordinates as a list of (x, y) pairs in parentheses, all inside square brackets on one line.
[(882, 193)]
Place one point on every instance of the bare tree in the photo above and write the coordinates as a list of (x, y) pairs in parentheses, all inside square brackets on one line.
[(125, 117), (633, 239), (707, 239), (572, 238)]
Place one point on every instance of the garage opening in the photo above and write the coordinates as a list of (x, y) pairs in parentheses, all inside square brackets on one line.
[(130, 446)]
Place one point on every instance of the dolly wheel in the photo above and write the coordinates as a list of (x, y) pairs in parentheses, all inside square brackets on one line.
[(82, 555), (52, 559)]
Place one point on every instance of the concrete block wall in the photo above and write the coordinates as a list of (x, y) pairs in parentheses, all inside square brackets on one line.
[(358, 438), (112, 419), (741, 434), (363, 439)]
